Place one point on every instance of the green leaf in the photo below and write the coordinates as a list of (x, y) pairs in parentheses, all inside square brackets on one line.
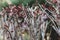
[(4, 4), (16, 2), (31, 2), (0, 8), (42, 1), (25, 2)]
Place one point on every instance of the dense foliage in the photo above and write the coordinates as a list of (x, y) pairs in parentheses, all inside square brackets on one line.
[(35, 19)]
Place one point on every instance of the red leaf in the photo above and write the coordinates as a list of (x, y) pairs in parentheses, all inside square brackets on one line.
[(54, 1)]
